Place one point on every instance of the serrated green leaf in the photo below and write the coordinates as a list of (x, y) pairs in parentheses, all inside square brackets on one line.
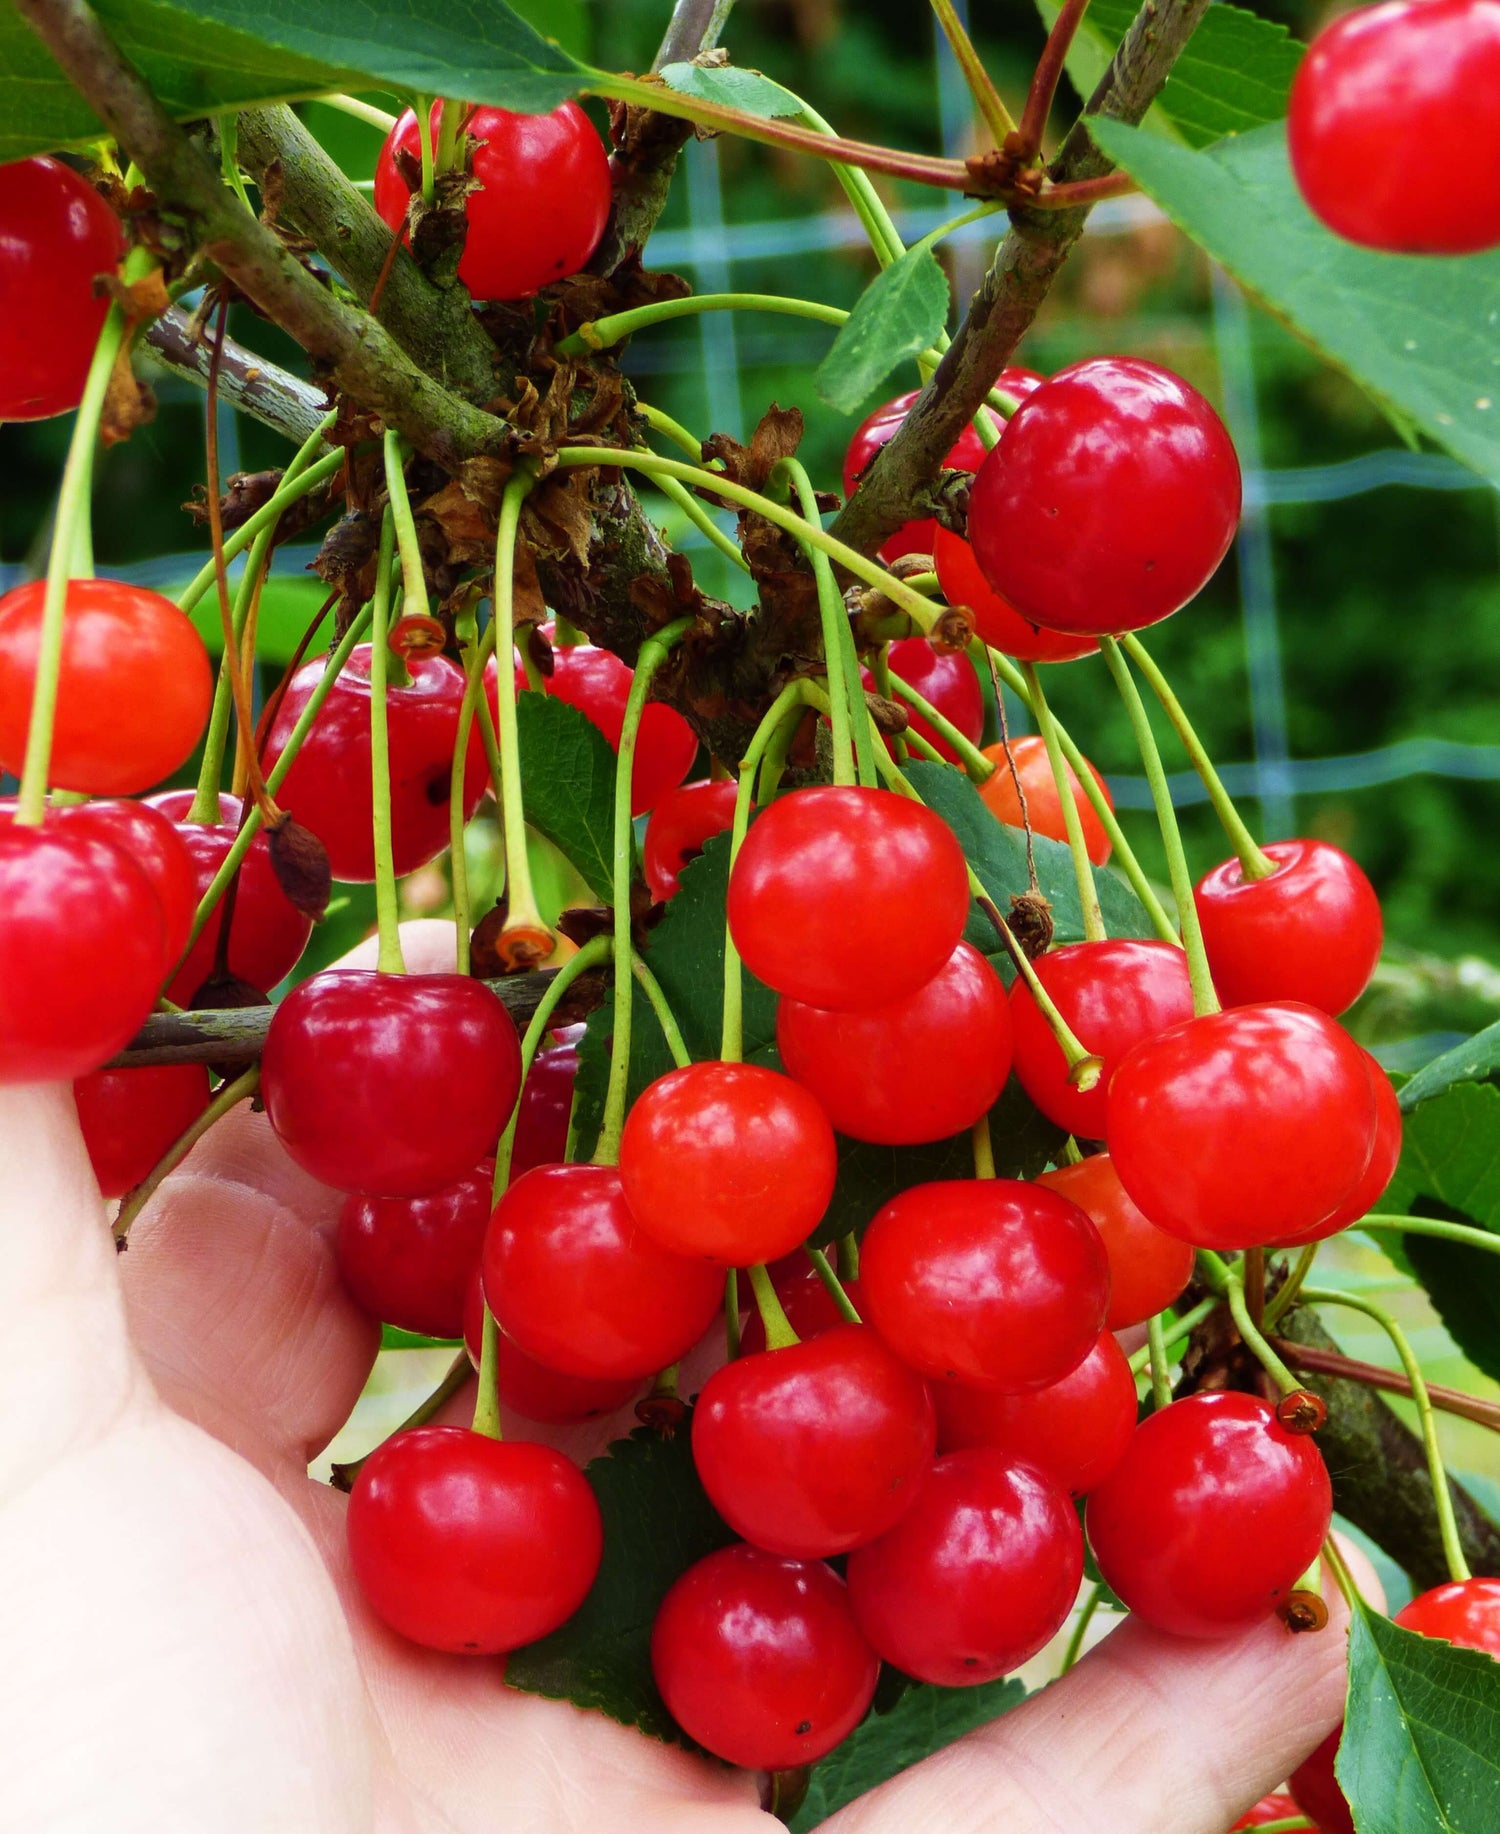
[(568, 785), (732, 88), (1419, 333), (1420, 1752), (900, 312), (1472, 1061), (657, 1523)]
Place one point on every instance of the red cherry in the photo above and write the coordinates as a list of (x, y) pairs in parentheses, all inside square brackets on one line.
[(942, 677), (581, 1287), (729, 1161), (546, 1104), (1076, 1430), (1270, 1808), (813, 1449), (976, 1577), (1044, 809), (1382, 98), (999, 625), (847, 897), (528, 1388), (759, 1660), (1113, 495), (57, 237), (1114, 995), (809, 1307), (470, 1544), (409, 1261), (329, 789), (1369, 1187), (1147, 1267), (1245, 1126), (987, 1281), (1309, 932), (923, 1068), (155, 844), (542, 199), (680, 823), (1212, 1516), (130, 1117), (1316, 1790), (389, 1084), (133, 693)]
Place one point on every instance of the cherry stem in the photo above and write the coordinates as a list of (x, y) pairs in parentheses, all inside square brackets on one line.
[(1254, 1275), (1072, 1153), (270, 512), (847, 1249), (832, 1283), (1205, 1000), (984, 1148), (1442, 1496), (1253, 862), (342, 1477), (604, 333), (851, 763), (230, 1096), (1084, 1068), (976, 765), (1213, 1270), (487, 1401), (521, 907), (671, 1031), (389, 959), (1281, 1303), (1253, 1337), (450, 119), (1156, 1348), (1083, 868), (885, 687), (413, 580), (247, 629), (1372, 1375), (473, 653), (424, 142), (778, 1327), (1430, 1225), (1336, 1565), (697, 514), (986, 97), (732, 1314), (1044, 81), (361, 111), (1176, 1327), (661, 422), (1080, 1627), (864, 199)]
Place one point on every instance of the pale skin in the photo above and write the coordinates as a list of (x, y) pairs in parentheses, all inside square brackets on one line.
[(182, 1646)]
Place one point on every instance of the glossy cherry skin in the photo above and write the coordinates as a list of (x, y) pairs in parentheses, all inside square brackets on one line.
[(987, 1281), (133, 693), (1112, 497), (1147, 1267), (329, 787), (1245, 1126), (528, 1388), (389, 1084), (808, 1305), (546, 1104), (1044, 808), (976, 1577), (1212, 1516), (580, 1286), (57, 236), (680, 823), (847, 898), (409, 1261), (1310, 932), (542, 199), (1114, 995), (1380, 100), (1316, 1791), (469, 1544), (923, 1068), (817, 1448), (155, 844), (129, 1118), (1277, 1807), (999, 625), (942, 677), (1369, 1187), (758, 1658), (729, 1161), (1077, 1430)]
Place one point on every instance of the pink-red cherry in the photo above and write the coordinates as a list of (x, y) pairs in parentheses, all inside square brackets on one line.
[(976, 1577), (1147, 1267), (469, 1544), (155, 844), (130, 1117), (1212, 1516), (947, 680), (1044, 808), (1369, 1187), (1277, 1807), (922, 1068), (1112, 497), (999, 625), (680, 823), (550, 1397), (546, 1104), (409, 1261), (758, 1658)]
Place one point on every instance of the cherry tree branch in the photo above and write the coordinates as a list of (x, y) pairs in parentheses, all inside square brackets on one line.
[(264, 390)]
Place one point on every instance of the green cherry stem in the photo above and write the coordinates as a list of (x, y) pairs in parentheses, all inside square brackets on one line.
[(975, 764), (1286, 1295), (1254, 1338), (697, 514), (342, 1477), (473, 652), (981, 87), (604, 333), (389, 960), (1080, 1627), (731, 1315), (450, 116), (230, 1096), (1482, 1239), (661, 422), (523, 919), (983, 1147), (847, 1249), (487, 1401), (1157, 1358), (832, 1284), (848, 765), (289, 491), (885, 687), (671, 1031), (1175, 1329), (359, 111), (423, 108), (205, 805), (1083, 869), (413, 579), (864, 199), (779, 1332)]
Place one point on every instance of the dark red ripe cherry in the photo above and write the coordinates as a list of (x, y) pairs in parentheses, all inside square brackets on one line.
[(680, 823), (130, 1117), (1114, 995), (1381, 99), (546, 1104), (83, 944), (1369, 1187), (150, 839), (922, 1068), (542, 199), (329, 787), (389, 1084), (470, 1544), (580, 1286), (1113, 495), (1249, 1125), (1044, 807), (814, 1449), (944, 678), (133, 693), (1309, 932), (847, 897), (987, 1281), (409, 1261), (1076, 1430), (999, 625), (1316, 1790), (1147, 1267), (1270, 1808), (528, 1388), (729, 1161), (759, 1660), (57, 236), (976, 1577), (1212, 1516), (808, 1305)]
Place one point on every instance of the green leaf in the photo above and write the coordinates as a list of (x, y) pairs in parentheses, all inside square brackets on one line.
[(393, 1337), (568, 785), (901, 311), (1417, 332), (1472, 1061), (657, 1523), (747, 90), (1421, 1747), (924, 1720)]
